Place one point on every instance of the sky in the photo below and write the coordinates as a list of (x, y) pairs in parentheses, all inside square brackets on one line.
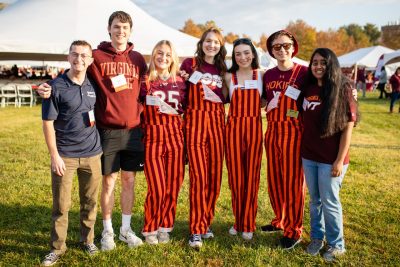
[(254, 17)]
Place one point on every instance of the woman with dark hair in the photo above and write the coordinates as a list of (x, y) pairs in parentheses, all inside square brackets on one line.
[(329, 113), (382, 82), (205, 129), (283, 139), (244, 135), (395, 84)]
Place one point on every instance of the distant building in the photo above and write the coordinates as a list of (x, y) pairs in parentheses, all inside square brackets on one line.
[(391, 35)]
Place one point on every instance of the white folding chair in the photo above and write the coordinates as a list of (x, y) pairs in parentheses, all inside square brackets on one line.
[(9, 95), (25, 94)]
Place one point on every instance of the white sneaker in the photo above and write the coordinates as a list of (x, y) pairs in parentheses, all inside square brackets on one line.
[(232, 231), (195, 241), (151, 239), (208, 235), (107, 241), (247, 236), (130, 238), (333, 253), (163, 237), (50, 259)]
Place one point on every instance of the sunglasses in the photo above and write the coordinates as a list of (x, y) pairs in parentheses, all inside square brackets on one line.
[(286, 46)]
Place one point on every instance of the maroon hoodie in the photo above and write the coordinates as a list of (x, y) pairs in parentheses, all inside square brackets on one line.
[(117, 110)]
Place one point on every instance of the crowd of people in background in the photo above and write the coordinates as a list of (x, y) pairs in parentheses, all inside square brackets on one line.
[(30, 73)]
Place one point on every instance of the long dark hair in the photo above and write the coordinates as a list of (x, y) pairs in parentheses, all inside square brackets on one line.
[(219, 58), (254, 63), (335, 94)]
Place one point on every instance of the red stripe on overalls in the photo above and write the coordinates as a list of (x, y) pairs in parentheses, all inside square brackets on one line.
[(284, 171), (205, 127), (164, 168), (244, 154)]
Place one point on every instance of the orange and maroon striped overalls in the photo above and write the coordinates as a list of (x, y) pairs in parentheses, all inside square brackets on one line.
[(205, 128), (164, 167), (244, 153), (282, 145)]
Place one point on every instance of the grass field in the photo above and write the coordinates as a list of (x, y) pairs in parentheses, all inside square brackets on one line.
[(370, 197)]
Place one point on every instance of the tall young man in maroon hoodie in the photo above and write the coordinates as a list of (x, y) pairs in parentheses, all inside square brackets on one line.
[(117, 71)]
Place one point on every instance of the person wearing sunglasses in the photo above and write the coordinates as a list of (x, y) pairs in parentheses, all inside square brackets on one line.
[(243, 136), (285, 176)]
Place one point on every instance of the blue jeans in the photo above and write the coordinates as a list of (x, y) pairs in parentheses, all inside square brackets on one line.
[(325, 208), (393, 99)]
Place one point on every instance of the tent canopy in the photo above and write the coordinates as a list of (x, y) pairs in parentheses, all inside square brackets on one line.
[(43, 29), (366, 57)]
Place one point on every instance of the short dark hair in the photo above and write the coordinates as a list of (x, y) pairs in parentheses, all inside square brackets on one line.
[(254, 63), (122, 16), (80, 43)]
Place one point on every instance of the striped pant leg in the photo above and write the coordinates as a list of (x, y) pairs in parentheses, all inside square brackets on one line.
[(274, 173), (294, 186), (154, 170), (234, 164), (174, 169), (252, 166), (215, 157), (196, 130)]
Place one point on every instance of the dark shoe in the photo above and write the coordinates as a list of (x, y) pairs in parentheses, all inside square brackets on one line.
[(269, 228), (289, 243), (91, 249)]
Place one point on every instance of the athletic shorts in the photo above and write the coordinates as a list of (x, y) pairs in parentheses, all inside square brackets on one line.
[(122, 149)]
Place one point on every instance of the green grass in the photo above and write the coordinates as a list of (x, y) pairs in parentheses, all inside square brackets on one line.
[(370, 197)]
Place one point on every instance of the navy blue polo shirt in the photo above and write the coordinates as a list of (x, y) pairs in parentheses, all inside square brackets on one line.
[(69, 106)]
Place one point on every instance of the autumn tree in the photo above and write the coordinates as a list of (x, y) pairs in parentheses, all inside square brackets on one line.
[(338, 41), (230, 37), (306, 37), (263, 42), (372, 32), (192, 29), (361, 39)]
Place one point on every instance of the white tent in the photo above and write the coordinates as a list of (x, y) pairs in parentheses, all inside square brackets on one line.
[(268, 62), (366, 57), (43, 29), (390, 60)]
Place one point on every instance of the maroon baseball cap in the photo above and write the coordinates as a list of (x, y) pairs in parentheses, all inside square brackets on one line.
[(272, 37)]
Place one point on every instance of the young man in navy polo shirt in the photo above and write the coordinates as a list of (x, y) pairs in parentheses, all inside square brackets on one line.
[(74, 145)]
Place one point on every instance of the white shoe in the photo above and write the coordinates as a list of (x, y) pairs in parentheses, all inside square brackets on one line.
[(208, 235), (232, 231), (107, 241), (130, 238), (163, 237), (151, 239), (247, 236), (195, 241)]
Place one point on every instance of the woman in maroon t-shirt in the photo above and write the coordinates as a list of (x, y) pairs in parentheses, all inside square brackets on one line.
[(395, 83), (330, 113)]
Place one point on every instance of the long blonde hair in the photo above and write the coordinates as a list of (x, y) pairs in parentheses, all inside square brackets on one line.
[(174, 61)]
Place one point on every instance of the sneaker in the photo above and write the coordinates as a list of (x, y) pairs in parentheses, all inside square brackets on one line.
[(195, 241), (269, 228), (91, 249), (289, 243), (232, 231), (332, 253), (315, 246), (107, 241), (151, 239), (130, 238), (163, 237), (247, 236), (209, 234), (50, 259)]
